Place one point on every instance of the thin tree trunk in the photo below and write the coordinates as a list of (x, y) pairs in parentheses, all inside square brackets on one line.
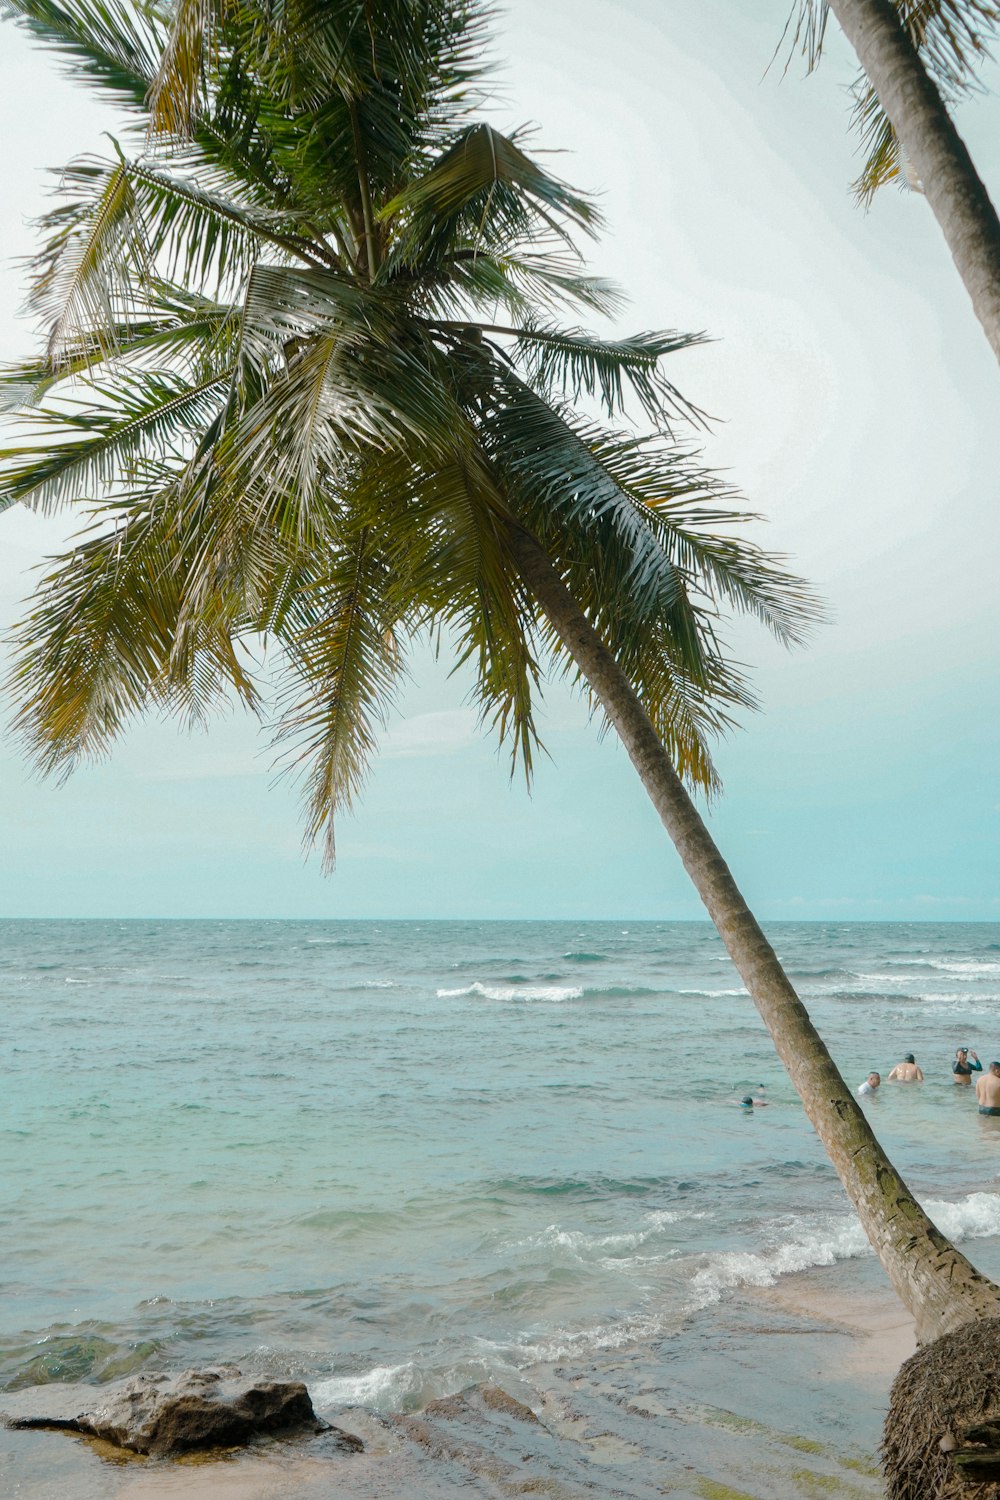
[(935, 1282), (937, 153), (371, 247)]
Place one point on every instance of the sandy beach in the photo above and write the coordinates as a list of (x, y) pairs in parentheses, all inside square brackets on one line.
[(882, 1329)]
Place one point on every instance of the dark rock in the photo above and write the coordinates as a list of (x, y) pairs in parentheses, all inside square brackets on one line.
[(200, 1409)]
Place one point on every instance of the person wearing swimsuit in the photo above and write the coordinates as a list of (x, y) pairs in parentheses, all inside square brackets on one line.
[(962, 1069), (988, 1091)]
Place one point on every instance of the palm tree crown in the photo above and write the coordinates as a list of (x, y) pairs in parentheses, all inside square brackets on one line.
[(305, 365)]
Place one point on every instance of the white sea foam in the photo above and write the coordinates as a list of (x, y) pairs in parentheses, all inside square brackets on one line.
[(972, 1218), (382, 1387), (606, 1248), (966, 1009), (577, 1343), (714, 994), (396, 1387), (964, 966), (826, 1239), (581, 1245), (884, 982), (880, 980), (551, 992)]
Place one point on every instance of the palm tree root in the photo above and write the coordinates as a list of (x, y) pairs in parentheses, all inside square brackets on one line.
[(942, 1433)]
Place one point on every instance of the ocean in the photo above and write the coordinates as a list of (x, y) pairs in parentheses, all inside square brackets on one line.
[(400, 1159)]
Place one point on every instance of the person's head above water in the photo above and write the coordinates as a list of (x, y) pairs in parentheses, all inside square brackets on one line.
[(909, 1057), (746, 1102)]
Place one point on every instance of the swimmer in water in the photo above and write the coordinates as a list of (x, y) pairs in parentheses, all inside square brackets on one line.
[(988, 1091), (906, 1071), (962, 1069)]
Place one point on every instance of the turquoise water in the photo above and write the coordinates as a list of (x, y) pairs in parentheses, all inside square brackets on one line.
[(396, 1158)]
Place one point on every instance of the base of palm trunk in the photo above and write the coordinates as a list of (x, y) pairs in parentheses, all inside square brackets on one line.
[(942, 1432)]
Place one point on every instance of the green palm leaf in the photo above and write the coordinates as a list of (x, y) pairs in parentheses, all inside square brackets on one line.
[(344, 651), (178, 86), (82, 287), (183, 329), (142, 415), (445, 540), (114, 44), (100, 645), (482, 187)]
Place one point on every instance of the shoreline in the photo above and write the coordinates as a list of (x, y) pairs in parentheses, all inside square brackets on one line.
[(883, 1330), (693, 1418)]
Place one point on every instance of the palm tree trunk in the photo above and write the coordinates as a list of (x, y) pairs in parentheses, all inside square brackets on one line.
[(935, 1282), (950, 182)]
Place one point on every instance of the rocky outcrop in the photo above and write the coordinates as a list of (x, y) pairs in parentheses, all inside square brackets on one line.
[(200, 1409)]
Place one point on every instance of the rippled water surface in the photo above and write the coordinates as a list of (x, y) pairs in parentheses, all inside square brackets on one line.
[(396, 1158)]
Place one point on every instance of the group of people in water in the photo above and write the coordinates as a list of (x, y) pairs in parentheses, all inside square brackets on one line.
[(966, 1063), (909, 1071)]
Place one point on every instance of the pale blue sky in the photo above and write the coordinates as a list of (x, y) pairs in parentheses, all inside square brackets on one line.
[(857, 401)]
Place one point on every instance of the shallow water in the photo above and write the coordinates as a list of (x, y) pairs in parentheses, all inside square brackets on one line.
[(395, 1159)]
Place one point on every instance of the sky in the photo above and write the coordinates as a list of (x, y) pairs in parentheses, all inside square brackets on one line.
[(854, 398)]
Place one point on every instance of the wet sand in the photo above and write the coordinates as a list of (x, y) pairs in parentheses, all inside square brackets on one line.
[(882, 1330)]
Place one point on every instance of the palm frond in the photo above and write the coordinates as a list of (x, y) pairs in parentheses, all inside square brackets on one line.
[(345, 657), (445, 540), (483, 187), (409, 72), (695, 519), (81, 287), (878, 142), (569, 363), (561, 488), (554, 281), (142, 414), (114, 44), (199, 231), (182, 330), (633, 526), (99, 645), (132, 228), (179, 84), (354, 374)]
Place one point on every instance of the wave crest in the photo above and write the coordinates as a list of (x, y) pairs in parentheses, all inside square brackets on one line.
[(553, 993)]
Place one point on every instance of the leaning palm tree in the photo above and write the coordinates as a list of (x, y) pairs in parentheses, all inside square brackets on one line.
[(307, 371), (903, 113)]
